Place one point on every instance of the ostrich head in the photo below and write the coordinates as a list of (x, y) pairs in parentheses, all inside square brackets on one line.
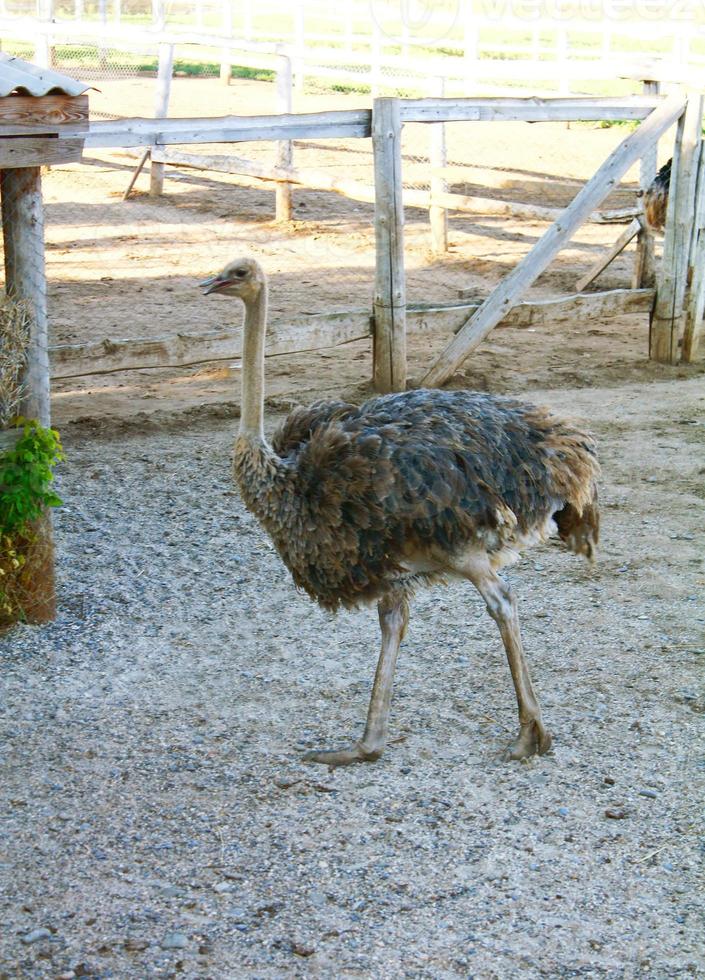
[(242, 278)]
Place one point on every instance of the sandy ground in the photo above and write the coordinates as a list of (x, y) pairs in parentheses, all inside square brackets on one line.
[(156, 818)]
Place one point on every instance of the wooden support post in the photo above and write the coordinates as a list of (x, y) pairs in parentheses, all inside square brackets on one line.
[(161, 109), (299, 45), (102, 50), (668, 316), (43, 52), (438, 216), (226, 68), (508, 293), (375, 58), (390, 290), (285, 156), (470, 39), (23, 234), (630, 232), (247, 22), (692, 330), (644, 264)]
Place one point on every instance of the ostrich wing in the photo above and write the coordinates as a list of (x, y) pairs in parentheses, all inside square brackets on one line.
[(302, 422)]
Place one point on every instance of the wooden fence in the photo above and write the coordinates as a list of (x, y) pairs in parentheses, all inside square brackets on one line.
[(364, 49), (677, 302)]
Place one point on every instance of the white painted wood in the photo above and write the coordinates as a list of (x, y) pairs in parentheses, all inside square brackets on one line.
[(285, 153), (23, 236), (226, 58), (375, 57), (161, 110), (624, 239), (669, 310), (438, 216), (390, 291), (299, 53), (507, 294)]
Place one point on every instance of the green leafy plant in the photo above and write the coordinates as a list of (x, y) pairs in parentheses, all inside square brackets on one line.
[(26, 475)]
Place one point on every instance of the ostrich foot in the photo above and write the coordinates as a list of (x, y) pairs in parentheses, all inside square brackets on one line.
[(345, 757), (533, 739)]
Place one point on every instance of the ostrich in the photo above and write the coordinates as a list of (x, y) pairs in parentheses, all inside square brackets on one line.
[(656, 198), (364, 504)]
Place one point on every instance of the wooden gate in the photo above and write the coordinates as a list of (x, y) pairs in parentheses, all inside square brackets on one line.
[(678, 307)]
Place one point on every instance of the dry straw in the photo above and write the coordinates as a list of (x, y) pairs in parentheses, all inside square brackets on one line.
[(15, 324)]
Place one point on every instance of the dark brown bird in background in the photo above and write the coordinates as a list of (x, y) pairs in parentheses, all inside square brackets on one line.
[(364, 504), (656, 198)]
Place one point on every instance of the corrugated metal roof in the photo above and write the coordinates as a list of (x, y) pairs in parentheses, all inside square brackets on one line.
[(22, 77)]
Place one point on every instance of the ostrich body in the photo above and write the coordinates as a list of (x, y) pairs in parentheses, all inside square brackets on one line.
[(364, 504), (656, 198)]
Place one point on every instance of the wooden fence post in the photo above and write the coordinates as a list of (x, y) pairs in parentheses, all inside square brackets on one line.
[(644, 265), (285, 153), (43, 51), (470, 43), (23, 235), (375, 59), (299, 45), (390, 290), (161, 110), (695, 306), (438, 216), (226, 67), (668, 315)]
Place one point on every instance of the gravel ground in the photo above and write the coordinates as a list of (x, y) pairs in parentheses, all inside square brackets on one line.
[(157, 820)]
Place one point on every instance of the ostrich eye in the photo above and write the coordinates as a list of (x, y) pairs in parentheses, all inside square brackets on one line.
[(241, 273)]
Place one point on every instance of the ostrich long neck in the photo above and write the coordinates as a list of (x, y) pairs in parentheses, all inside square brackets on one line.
[(252, 410), (260, 473)]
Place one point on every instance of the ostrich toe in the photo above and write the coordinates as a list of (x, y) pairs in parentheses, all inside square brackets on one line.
[(533, 739), (344, 757)]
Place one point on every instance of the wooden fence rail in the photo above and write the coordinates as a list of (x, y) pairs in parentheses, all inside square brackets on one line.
[(326, 330)]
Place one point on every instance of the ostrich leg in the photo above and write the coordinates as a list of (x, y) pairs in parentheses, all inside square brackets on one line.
[(533, 737), (501, 605), (393, 619)]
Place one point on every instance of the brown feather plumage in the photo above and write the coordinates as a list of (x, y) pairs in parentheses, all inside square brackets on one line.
[(656, 198), (356, 490)]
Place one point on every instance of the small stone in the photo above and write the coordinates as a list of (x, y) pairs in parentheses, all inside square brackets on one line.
[(563, 810), (649, 794), (298, 949), (35, 935), (174, 940), (608, 781), (615, 814), (136, 945)]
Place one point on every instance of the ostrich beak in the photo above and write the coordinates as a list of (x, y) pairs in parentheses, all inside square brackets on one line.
[(212, 284)]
